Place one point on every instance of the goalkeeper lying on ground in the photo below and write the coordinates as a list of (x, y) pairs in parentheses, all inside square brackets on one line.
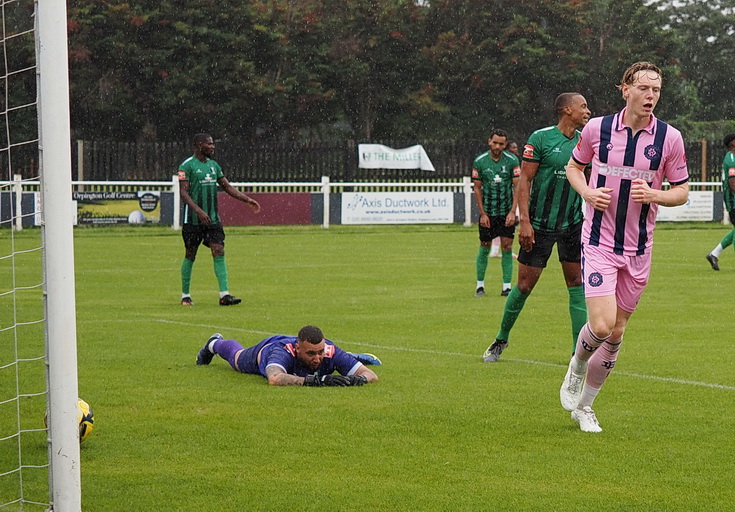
[(306, 360)]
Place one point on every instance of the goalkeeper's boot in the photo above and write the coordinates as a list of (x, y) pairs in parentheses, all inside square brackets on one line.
[(367, 359), (493, 352), (229, 300), (205, 355), (571, 389), (713, 261), (586, 419)]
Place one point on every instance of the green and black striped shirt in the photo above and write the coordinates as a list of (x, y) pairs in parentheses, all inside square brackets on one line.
[(553, 205), (497, 181)]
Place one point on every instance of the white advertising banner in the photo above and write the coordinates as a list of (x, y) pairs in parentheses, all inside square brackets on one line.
[(397, 208), (377, 156), (700, 207)]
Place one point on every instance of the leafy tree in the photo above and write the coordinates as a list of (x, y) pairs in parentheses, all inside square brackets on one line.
[(376, 66), (607, 55), (298, 103), (382, 69), (707, 34), (501, 65), (165, 69)]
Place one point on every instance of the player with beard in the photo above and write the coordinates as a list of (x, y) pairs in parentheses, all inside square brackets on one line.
[(304, 360), (495, 174)]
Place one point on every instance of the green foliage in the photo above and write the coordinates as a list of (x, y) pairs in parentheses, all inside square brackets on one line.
[(706, 31), (710, 130), (375, 64), (388, 69), (441, 430), (607, 55), (161, 69), (17, 95)]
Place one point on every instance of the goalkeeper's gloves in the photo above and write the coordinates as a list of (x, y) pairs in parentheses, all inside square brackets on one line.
[(335, 380), (327, 380), (357, 380)]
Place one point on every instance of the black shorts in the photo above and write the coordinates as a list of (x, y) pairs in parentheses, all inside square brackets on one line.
[(497, 228), (195, 235), (569, 247)]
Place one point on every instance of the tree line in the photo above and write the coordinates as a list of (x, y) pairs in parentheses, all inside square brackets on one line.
[(372, 70)]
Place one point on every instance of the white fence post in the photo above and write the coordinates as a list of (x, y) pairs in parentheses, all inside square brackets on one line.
[(176, 224), (468, 195), (18, 191), (326, 189)]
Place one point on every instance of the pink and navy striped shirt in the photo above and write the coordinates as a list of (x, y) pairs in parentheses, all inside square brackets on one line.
[(619, 156)]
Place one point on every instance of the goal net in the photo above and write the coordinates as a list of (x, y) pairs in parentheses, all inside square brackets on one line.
[(39, 465)]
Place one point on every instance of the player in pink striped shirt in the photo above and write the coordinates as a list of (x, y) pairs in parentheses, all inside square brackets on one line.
[(631, 153)]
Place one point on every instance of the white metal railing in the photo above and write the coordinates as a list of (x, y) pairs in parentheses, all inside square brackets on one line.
[(325, 187)]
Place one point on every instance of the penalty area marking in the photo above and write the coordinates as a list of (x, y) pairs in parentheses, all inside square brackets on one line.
[(672, 380)]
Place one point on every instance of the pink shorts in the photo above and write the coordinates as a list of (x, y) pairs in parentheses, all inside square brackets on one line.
[(606, 273)]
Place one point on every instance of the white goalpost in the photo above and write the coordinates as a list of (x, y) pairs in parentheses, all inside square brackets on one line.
[(58, 240), (39, 466)]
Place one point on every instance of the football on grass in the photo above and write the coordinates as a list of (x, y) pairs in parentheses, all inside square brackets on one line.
[(85, 417)]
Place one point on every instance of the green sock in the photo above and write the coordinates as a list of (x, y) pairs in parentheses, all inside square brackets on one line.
[(506, 263), (186, 267), (513, 306), (220, 270), (481, 262), (577, 312), (727, 240)]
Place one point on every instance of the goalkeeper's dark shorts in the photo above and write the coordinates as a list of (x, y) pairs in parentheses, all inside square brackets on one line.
[(568, 245), (201, 234)]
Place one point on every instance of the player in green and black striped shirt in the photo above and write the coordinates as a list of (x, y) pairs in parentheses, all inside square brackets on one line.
[(199, 176), (728, 195), (550, 214), (495, 174)]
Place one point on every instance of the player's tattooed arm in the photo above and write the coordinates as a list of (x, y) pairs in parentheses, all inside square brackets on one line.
[(367, 373), (278, 377)]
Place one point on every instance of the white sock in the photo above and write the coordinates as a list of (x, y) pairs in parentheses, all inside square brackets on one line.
[(579, 367), (588, 396), (717, 251), (480, 284), (185, 295), (222, 294), (506, 286)]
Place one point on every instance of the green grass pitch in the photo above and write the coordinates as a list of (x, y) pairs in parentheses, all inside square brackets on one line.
[(441, 430)]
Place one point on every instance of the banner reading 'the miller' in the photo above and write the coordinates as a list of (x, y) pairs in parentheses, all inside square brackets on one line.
[(377, 156)]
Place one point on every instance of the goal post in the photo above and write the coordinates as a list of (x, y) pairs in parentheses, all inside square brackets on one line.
[(58, 259)]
